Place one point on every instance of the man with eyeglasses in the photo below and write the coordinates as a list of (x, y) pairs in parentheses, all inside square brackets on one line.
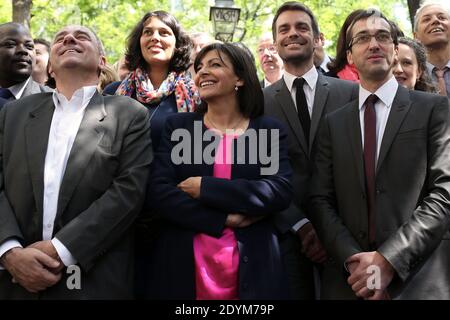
[(270, 61), (381, 184), (300, 100)]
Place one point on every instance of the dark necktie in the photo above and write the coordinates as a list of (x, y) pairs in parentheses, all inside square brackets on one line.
[(5, 93), (302, 107), (370, 152), (441, 81)]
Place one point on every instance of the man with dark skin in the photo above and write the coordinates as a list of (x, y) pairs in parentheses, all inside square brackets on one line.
[(17, 57)]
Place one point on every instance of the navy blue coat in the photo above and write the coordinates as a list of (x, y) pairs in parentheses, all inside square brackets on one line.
[(261, 274)]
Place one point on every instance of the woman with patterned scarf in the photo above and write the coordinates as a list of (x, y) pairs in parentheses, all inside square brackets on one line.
[(158, 55)]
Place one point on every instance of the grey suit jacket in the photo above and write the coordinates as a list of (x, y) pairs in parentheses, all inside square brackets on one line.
[(33, 87), (330, 94), (101, 193), (412, 195)]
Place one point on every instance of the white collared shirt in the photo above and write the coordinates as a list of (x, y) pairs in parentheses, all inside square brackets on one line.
[(309, 87), (66, 121), (18, 89), (266, 83), (386, 94), (323, 65)]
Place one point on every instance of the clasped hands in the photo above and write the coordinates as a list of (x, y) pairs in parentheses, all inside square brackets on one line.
[(363, 267), (35, 267), (192, 187)]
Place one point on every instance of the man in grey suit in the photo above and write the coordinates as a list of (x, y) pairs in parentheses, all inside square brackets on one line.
[(296, 34), (381, 186), (73, 173), (17, 58)]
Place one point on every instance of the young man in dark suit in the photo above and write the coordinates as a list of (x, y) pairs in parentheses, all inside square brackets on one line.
[(17, 58), (381, 187), (300, 99), (73, 173)]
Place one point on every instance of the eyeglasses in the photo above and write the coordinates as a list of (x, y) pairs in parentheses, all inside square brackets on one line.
[(271, 49), (382, 37)]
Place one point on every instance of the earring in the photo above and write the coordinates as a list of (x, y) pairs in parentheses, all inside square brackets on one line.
[(236, 88)]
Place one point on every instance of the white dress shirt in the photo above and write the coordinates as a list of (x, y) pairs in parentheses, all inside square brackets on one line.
[(386, 94), (310, 90), (309, 87), (63, 130), (323, 65)]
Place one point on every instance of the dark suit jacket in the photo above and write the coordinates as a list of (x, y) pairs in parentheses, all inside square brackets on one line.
[(330, 95), (412, 195), (248, 192), (101, 193), (32, 87)]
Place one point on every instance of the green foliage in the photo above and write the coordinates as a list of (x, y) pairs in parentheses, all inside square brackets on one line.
[(113, 20)]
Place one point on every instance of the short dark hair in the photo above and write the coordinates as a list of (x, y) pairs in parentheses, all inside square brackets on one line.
[(424, 82), (43, 42), (365, 14), (250, 95), (183, 46), (295, 6)]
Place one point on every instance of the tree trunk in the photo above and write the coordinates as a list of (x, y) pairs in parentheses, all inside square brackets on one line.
[(413, 5), (22, 11)]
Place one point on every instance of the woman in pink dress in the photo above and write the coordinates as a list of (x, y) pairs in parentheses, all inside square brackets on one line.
[(218, 177)]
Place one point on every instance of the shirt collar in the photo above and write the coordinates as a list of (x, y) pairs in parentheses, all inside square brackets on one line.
[(310, 78), (386, 93), (79, 100), (324, 63), (430, 66), (266, 82), (18, 89)]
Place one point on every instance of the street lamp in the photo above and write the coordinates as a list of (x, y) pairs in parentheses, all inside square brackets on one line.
[(225, 18)]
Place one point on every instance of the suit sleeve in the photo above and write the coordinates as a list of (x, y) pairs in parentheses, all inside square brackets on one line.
[(173, 204), (287, 218), (416, 239), (9, 227), (107, 219), (335, 236), (266, 195)]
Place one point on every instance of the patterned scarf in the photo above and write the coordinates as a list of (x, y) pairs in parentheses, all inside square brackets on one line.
[(186, 94)]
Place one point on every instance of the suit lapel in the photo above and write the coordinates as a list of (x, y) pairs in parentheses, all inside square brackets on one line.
[(320, 99), (88, 136), (37, 131), (31, 88), (400, 107), (354, 132), (284, 98)]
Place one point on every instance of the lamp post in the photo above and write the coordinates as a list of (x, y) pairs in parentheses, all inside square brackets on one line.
[(225, 18)]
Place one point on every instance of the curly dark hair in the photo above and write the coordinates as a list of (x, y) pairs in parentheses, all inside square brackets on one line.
[(183, 46), (250, 95), (424, 82)]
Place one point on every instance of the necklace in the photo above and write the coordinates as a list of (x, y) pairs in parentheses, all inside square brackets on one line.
[(221, 130)]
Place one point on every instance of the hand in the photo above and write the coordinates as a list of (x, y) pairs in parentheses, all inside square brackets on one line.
[(28, 267), (191, 186), (311, 245), (360, 274), (48, 248), (237, 220)]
